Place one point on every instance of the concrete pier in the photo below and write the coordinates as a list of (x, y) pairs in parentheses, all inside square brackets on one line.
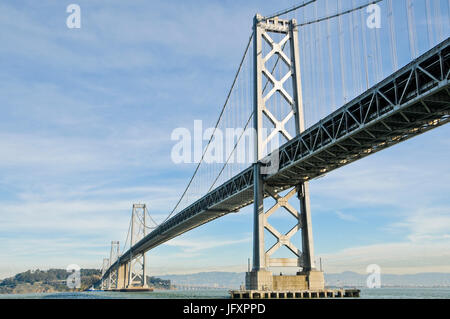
[(263, 280), (262, 284), (307, 294), (132, 289)]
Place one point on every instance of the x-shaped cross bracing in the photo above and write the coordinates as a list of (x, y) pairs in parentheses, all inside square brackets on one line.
[(283, 239), (278, 86)]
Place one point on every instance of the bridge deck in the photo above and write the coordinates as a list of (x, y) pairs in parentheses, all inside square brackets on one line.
[(411, 101)]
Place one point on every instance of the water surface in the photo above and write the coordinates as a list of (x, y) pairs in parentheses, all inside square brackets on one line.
[(380, 293)]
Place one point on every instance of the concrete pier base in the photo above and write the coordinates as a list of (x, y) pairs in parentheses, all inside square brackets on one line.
[(259, 280), (315, 279), (289, 294), (262, 284), (263, 280), (133, 289)]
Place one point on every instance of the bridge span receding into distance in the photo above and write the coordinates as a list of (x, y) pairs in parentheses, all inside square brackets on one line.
[(411, 101)]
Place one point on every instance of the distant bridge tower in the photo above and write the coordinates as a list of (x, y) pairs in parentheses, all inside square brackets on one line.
[(136, 267), (114, 255), (105, 266), (131, 274), (285, 82)]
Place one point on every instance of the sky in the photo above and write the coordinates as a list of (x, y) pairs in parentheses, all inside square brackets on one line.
[(85, 126)]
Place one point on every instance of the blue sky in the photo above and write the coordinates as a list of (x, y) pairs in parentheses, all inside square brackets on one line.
[(85, 130)]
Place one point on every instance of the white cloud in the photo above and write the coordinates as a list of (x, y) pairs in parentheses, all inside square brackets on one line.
[(71, 154), (425, 224), (198, 244), (346, 217), (81, 210), (394, 258)]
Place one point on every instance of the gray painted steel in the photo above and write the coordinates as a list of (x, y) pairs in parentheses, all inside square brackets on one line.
[(410, 102), (263, 31)]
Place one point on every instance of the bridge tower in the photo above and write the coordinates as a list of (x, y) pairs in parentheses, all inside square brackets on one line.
[(113, 279), (105, 266), (135, 274), (286, 83)]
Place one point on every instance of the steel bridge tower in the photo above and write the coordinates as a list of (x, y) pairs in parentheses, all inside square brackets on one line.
[(113, 279), (136, 267), (287, 50), (104, 282), (131, 274)]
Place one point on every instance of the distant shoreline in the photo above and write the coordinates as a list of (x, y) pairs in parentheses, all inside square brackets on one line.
[(54, 281)]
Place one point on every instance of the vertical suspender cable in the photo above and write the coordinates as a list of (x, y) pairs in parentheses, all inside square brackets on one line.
[(313, 57), (448, 20), (438, 19), (392, 38), (307, 87), (341, 53), (306, 68), (317, 63), (374, 54), (317, 69), (379, 57), (411, 28), (365, 52), (429, 23), (322, 104), (357, 49), (354, 63), (330, 59)]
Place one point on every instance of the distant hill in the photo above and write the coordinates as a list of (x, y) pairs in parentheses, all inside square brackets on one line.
[(54, 280), (233, 280)]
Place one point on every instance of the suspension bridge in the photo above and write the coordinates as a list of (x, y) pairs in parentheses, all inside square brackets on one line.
[(322, 86)]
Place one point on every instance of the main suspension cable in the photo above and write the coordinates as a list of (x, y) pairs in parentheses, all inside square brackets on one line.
[(286, 11), (338, 14), (126, 240), (215, 128), (229, 157)]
